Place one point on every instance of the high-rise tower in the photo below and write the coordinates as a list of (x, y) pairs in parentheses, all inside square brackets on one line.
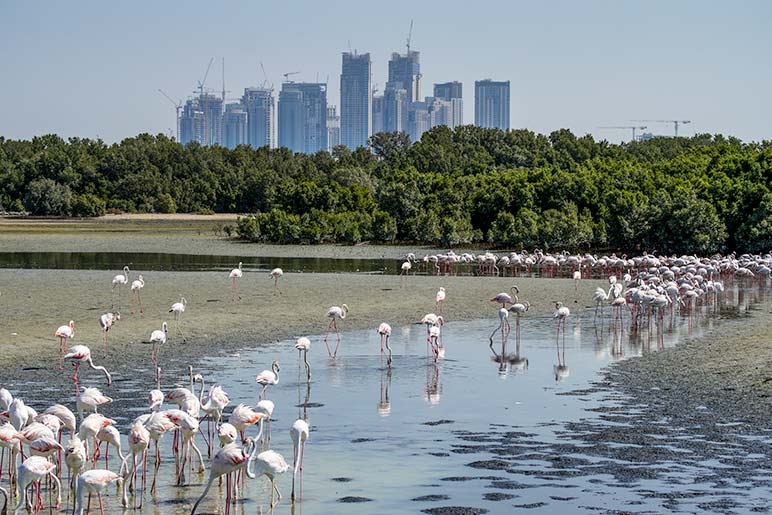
[(406, 70), (452, 92), (258, 103), (491, 104), (303, 117), (356, 121)]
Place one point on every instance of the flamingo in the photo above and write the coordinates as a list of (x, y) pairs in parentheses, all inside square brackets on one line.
[(430, 319), (156, 396), (270, 464), (503, 327), (189, 426), (9, 441), (80, 354), (303, 345), (95, 482), (18, 414), (265, 407), (178, 308), (136, 286), (90, 426), (158, 424), (299, 435), (505, 298), (227, 434), (275, 274), (118, 281), (268, 377), (139, 441), (334, 313), (434, 336), (106, 322), (215, 403), (5, 399), (438, 300), (228, 460), (236, 273), (406, 266), (110, 436), (561, 313), (518, 308), (598, 297), (33, 470), (385, 331), (158, 338), (90, 399), (242, 417), (75, 458), (63, 333)]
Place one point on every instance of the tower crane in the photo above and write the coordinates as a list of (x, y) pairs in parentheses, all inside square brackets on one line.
[(286, 75), (633, 127), (202, 82), (674, 122), (266, 83), (177, 107), (409, 37)]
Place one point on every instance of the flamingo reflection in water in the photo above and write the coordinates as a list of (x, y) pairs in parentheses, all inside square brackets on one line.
[(384, 404)]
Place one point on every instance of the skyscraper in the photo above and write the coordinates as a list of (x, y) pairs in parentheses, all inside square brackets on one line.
[(406, 70), (192, 123), (356, 110), (395, 108), (258, 103), (333, 128), (234, 126), (452, 92), (303, 117), (491, 104), (211, 106), (378, 108), (419, 119)]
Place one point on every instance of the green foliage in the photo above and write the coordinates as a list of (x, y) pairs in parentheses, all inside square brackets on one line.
[(46, 197), (513, 189), (88, 205)]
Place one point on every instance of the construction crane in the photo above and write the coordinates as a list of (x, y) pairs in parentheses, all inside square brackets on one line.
[(286, 75), (409, 36), (202, 82), (633, 127), (674, 122), (224, 91), (177, 107), (266, 83)]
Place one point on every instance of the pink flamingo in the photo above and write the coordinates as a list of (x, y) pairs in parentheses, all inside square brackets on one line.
[(228, 460), (270, 464), (106, 322), (334, 313), (268, 377), (33, 470), (236, 273), (385, 331), (275, 274), (80, 354), (303, 345), (95, 482), (63, 333), (438, 300), (136, 286), (139, 441), (299, 434)]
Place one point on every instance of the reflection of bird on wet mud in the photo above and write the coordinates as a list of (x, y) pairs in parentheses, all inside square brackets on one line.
[(433, 390), (384, 405), (561, 369)]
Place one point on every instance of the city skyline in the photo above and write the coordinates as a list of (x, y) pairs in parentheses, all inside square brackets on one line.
[(576, 66)]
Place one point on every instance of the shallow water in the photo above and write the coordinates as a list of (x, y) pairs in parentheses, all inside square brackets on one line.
[(464, 432)]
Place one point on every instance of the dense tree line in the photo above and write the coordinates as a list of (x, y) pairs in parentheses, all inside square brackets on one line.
[(510, 189)]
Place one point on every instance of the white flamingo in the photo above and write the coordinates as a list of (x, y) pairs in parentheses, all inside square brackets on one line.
[(333, 314)]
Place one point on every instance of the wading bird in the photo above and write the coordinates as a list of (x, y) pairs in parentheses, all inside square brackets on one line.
[(178, 308), (270, 464), (80, 354), (299, 435), (228, 460), (118, 281), (385, 331), (106, 323), (63, 333), (303, 345), (268, 377), (234, 274), (33, 470), (136, 286), (96, 481), (334, 313), (158, 338), (275, 274), (438, 298)]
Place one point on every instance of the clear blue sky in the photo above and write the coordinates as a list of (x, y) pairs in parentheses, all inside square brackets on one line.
[(91, 68)]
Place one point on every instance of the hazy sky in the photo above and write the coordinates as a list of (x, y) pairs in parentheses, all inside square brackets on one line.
[(91, 68)]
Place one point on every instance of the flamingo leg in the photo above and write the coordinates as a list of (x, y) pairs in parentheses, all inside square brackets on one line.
[(337, 332), (326, 336)]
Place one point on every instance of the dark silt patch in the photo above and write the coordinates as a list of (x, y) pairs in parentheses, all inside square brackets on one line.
[(455, 510), (439, 422), (353, 499), (362, 440), (432, 497), (342, 479), (530, 506), (498, 496)]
